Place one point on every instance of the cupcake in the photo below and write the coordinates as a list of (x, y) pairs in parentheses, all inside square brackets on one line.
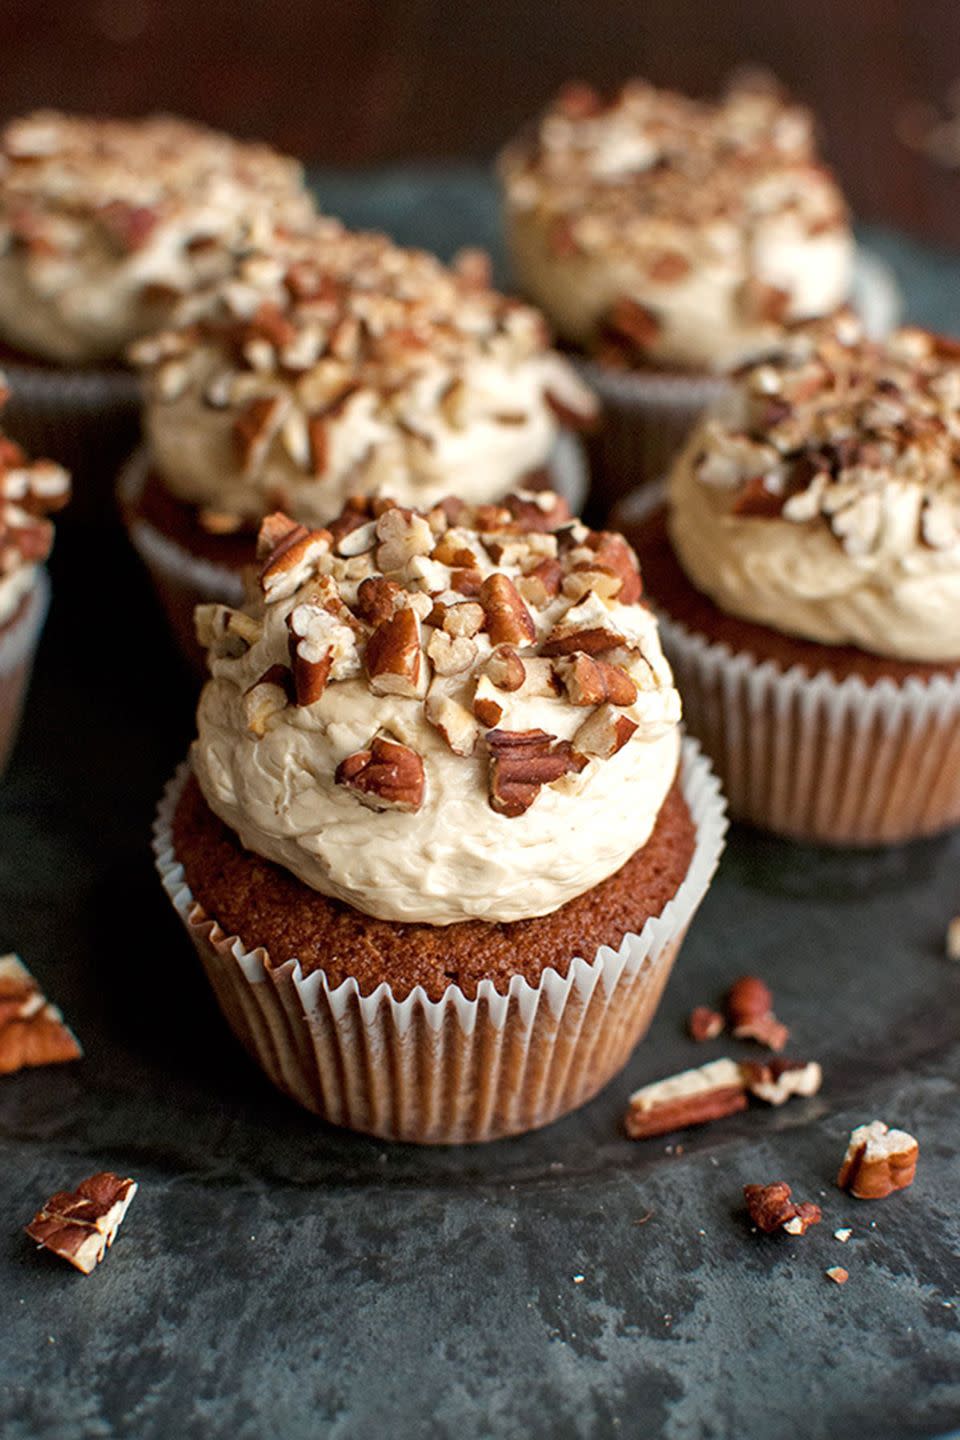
[(104, 226), (670, 241), (29, 491), (806, 572), (438, 841), (333, 364)]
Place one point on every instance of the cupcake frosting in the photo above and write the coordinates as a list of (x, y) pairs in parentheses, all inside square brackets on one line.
[(825, 500), (333, 363), (29, 491), (106, 224), (665, 231), (440, 716)]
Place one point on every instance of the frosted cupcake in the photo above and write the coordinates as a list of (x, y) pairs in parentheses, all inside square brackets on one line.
[(105, 225), (671, 240), (438, 844), (807, 577), (29, 492), (334, 364)]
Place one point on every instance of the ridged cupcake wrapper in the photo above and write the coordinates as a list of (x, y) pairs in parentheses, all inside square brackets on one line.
[(18, 644), (811, 757), (183, 580), (86, 419), (455, 1070)]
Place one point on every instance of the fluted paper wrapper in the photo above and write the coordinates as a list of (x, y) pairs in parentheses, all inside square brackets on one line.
[(18, 644), (183, 580), (86, 419), (839, 762), (455, 1070)]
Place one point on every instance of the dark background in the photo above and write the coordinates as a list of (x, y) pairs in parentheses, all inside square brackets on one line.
[(349, 82)]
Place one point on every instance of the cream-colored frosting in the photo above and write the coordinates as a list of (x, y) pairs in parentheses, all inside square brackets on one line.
[(334, 363), (718, 222), (858, 545), (454, 857), (28, 491), (105, 225)]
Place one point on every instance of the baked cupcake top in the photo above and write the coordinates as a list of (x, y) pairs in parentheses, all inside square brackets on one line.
[(30, 490), (825, 500), (106, 224), (440, 716), (334, 362), (659, 230)]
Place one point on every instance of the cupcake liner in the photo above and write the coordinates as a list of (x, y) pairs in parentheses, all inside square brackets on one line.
[(183, 580), (86, 419), (648, 415), (18, 644), (453, 1070), (811, 757)]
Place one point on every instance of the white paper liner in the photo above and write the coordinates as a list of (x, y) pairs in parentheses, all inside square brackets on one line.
[(809, 756), (452, 1070), (18, 643), (183, 580)]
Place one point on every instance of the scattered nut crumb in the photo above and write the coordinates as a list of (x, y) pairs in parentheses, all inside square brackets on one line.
[(842, 1235), (771, 1208), (838, 1275)]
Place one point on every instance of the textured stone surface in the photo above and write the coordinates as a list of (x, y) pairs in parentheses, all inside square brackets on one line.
[(277, 1278)]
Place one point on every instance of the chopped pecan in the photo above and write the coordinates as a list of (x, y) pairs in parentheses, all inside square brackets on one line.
[(267, 697), (837, 1274), (402, 535), (224, 631), (393, 655), (635, 322), (509, 622), (466, 582), (463, 618), (377, 599), (579, 101), (451, 550), (591, 682), (451, 654), (521, 761), (505, 669), (80, 1225), (613, 553), (749, 1007), (255, 427), (454, 721), (32, 1031), (760, 301), (771, 1208), (691, 1098), (131, 225), (704, 1023), (538, 513), (321, 644), (604, 733), (756, 498), (775, 1081), (588, 626), (666, 267), (388, 776), (541, 584), (290, 565), (878, 1161), (487, 703)]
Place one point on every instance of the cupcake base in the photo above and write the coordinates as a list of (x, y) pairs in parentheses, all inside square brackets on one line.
[(18, 643), (189, 567), (432, 1060), (815, 742)]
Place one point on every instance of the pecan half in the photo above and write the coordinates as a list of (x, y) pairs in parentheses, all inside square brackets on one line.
[(771, 1208), (509, 622), (878, 1161), (388, 776), (521, 761), (32, 1031), (394, 657), (80, 1225), (691, 1098)]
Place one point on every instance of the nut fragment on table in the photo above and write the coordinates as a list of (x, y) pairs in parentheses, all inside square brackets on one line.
[(704, 1023), (775, 1081), (749, 1007), (837, 1274), (32, 1031), (878, 1161), (713, 1091), (80, 1225), (771, 1208)]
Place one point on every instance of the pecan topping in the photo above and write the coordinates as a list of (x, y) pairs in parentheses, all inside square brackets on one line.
[(591, 682), (388, 776), (80, 1225), (255, 427), (393, 655), (878, 1161), (32, 1031), (521, 761), (505, 669), (377, 599), (604, 733), (509, 622), (634, 322), (771, 1208)]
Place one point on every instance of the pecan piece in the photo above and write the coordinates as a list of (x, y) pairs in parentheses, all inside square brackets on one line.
[(635, 322), (604, 733), (402, 535), (541, 584), (451, 654), (265, 698), (749, 1007), (509, 622), (521, 761), (394, 657), (388, 776), (81, 1225), (691, 1098), (505, 669), (130, 225), (704, 1023), (776, 1081), (255, 427), (540, 513), (771, 1208), (878, 1161), (837, 1274), (591, 682), (32, 1031), (454, 721), (320, 643), (377, 599)]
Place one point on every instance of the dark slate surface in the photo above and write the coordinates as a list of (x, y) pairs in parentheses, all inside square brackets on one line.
[(275, 1278)]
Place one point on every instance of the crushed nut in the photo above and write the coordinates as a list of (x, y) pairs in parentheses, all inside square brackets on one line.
[(771, 1208), (837, 1274), (878, 1161), (80, 1225), (521, 761), (388, 776)]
